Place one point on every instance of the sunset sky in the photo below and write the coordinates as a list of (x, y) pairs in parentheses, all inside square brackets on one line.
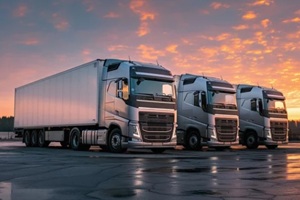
[(241, 41)]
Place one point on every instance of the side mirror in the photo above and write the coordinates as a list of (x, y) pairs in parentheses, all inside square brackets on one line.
[(203, 101), (253, 105), (196, 99), (260, 106), (122, 88)]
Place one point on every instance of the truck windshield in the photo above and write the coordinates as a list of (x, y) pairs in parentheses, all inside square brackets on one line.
[(275, 106), (222, 100), (142, 86)]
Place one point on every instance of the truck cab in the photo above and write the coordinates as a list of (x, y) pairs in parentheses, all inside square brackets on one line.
[(263, 116), (207, 112), (141, 99)]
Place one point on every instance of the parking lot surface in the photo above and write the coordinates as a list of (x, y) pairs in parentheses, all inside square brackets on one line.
[(236, 173)]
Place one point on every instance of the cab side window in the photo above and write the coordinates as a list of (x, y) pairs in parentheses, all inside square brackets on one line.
[(112, 89), (253, 104)]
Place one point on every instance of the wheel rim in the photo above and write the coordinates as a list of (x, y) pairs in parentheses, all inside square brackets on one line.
[(27, 138), (193, 141), (250, 140), (75, 141), (34, 138), (41, 139), (115, 141)]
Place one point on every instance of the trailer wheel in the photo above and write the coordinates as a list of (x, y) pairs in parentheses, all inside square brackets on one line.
[(75, 139), (271, 146), (41, 139), (27, 138), (115, 141), (193, 140), (251, 140), (34, 138)]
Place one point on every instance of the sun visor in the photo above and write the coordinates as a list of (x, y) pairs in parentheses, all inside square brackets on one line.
[(220, 86), (151, 73)]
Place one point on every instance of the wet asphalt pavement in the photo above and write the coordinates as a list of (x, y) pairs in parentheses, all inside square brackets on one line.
[(237, 173)]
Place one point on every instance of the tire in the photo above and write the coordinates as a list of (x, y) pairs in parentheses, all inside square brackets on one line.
[(27, 138), (75, 139), (251, 140), (158, 150), (272, 146), (193, 141), (41, 139), (34, 138), (115, 141)]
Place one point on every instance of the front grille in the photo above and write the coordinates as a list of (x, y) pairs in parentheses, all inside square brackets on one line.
[(156, 127), (278, 131), (226, 130)]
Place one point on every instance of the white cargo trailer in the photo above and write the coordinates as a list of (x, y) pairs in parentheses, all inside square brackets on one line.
[(116, 104)]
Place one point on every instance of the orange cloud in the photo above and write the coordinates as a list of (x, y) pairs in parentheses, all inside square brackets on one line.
[(117, 48), (137, 7), (290, 46), (265, 23), (59, 22), (249, 15), (172, 48), (262, 3), (20, 11), (222, 36), (218, 5), (30, 42), (240, 27), (149, 53), (294, 20), (112, 15), (208, 52), (295, 35), (86, 52)]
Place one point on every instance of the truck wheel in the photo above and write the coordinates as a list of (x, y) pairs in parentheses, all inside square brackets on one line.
[(194, 141), (158, 150), (41, 139), (34, 138), (271, 146), (75, 139), (251, 141), (115, 141), (27, 139)]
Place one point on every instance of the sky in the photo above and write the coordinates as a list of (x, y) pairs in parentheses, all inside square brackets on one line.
[(241, 41)]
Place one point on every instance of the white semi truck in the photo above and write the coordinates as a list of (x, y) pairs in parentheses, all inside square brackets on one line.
[(207, 112), (116, 104), (263, 116)]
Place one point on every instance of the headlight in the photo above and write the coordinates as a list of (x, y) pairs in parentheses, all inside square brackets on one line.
[(134, 130), (268, 133), (212, 132)]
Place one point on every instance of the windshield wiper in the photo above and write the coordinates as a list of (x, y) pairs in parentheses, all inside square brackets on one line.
[(163, 95), (145, 94), (231, 106), (219, 105)]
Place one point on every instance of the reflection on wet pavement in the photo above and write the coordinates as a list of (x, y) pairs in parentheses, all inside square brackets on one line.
[(53, 173), (293, 166)]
